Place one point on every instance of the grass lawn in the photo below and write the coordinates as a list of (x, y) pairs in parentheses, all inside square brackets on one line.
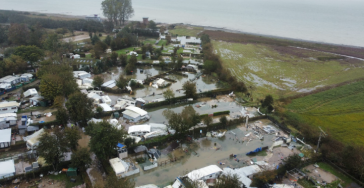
[(63, 177), (88, 56), (182, 30), (34, 108), (306, 183), (284, 70), (324, 166), (339, 111), (162, 42)]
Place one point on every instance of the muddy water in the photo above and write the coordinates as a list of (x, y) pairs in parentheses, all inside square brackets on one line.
[(204, 83), (158, 117), (206, 155)]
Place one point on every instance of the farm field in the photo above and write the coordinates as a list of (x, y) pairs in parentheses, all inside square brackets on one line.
[(183, 30), (285, 70), (339, 111)]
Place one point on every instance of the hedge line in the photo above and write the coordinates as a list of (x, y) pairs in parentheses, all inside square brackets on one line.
[(221, 113)]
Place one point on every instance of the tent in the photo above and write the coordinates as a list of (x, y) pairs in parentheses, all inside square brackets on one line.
[(255, 151), (120, 145), (72, 172)]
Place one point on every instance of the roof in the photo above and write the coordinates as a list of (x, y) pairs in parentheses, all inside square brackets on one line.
[(160, 81), (242, 177), (29, 92), (202, 172), (117, 165), (137, 128), (137, 110), (106, 98), (5, 115), (32, 139), (7, 167), (36, 97), (140, 149), (282, 186), (148, 186), (105, 107), (131, 113), (9, 104), (5, 135), (155, 152), (140, 100), (93, 96), (109, 84)]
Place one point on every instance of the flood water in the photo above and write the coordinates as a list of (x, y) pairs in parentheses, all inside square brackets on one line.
[(206, 155), (204, 83)]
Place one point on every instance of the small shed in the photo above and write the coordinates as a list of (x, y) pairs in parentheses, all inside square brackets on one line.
[(72, 172)]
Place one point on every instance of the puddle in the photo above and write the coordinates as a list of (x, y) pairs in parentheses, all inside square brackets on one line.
[(206, 155)]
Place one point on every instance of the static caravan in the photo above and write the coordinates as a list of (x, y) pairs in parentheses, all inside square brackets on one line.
[(139, 130), (5, 138), (9, 107), (135, 114), (7, 120), (33, 140)]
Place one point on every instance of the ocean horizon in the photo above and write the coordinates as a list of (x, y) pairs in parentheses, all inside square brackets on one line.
[(327, 21)]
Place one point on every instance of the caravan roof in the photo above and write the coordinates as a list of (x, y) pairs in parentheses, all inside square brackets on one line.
[(137, 110), (109, 84), (105, 107), (32, 139), (117, 165), (9, 104), (202, 172), (29, 92), (139, 128), (5, 135), (7, 168)]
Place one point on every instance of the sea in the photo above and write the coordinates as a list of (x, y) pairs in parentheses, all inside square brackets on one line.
[(328, 21)]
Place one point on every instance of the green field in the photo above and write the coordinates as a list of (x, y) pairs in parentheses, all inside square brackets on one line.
[(283, 70), (339, 112), (182, 30)]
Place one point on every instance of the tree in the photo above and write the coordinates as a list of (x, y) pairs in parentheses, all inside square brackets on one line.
[(29, 53), (123, 59), (129, 141), (223, 121), (14, 64), (190, 89), (72, 135), (179, 63), (51, 42), (114, 58), (207, 121), (169, 39), (107, 40), (121, 82), (81, 159), (168, 95), (231, 181), (62, 116), (114, 182), (51, 86), (267, 103), (152, 25), (210, 66), (36, 35), (95, 39), (104, 138), (98, 81), (58, 102), (264, 177), (205, 38), (18, 34), (182, 122), (80, 108), (3, 35), (52, 147), (117, 11), (162, 63), (130, 67)]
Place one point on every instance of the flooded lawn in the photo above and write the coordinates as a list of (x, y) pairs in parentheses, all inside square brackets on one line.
[(157, 116), (205, 153), (204, 83)]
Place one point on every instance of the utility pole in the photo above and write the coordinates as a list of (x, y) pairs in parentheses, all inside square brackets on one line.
[(322, 134)]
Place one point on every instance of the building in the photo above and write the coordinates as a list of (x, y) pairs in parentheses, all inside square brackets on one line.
[(10, 79), (183, 40), (105, 107), (109, 84), (244, 174), (135, 114), (26, 77), (7, 169), (122, 103), (139, 130), (208, 172), (106, 99), (95, 97), (7, 120), (30, 92), (192, 67), (5, 138), (94, 17), (122, 168), (9, 107), (145, 21), (81, 74), (33, 140)]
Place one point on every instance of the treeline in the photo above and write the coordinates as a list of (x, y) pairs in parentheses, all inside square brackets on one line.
[(80, 24), (213, 64), (146, 32)]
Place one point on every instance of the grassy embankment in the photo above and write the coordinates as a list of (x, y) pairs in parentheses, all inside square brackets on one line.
[(284, 70), (183, 30), (339, 111)]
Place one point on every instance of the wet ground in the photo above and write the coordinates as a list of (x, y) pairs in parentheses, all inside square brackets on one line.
[(204, 83), (207, 153)]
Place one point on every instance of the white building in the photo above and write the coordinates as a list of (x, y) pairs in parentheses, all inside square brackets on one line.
[(10, 79), (208, 172), (7, 120), (30, 92), (33, 140), (7, 169), (106, 99), (187, 40), (139, 130), (109, 84), (26, 77), (122, 103), (9, 107), (85, 83), (133, 53), (122, 168), (81, 74), (192, 67), (5, 138), (95, 97), (105, 107), (244, 174), (135, 114)]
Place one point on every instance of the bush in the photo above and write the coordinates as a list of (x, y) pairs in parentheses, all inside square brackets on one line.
[(221, 113)]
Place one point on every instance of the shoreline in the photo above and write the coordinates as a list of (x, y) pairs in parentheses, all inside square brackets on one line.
[(212, 28)]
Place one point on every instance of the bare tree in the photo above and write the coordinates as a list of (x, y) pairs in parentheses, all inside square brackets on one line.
[(126, 11), (117, 11)]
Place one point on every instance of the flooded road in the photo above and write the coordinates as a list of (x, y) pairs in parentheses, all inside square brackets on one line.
[(204, 83), (206, 155)]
